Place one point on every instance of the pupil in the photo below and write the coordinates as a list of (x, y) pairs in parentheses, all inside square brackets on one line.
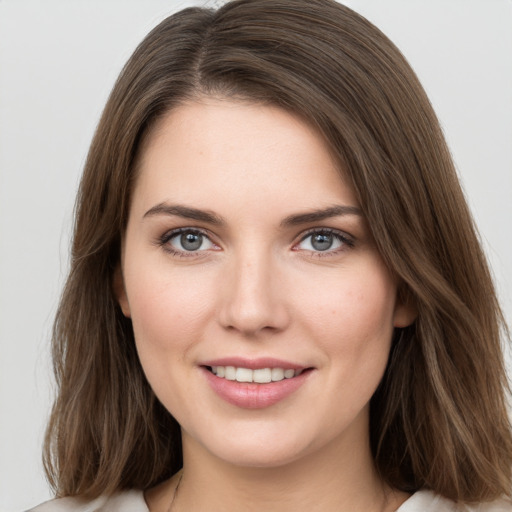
[(191, 241), (322, 242)]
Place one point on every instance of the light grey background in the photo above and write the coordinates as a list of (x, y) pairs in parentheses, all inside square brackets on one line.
[(58, 61)]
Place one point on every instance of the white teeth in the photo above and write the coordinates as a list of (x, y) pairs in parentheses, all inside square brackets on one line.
[(277, 374), (229, 373), (260, 376), (243, 375)]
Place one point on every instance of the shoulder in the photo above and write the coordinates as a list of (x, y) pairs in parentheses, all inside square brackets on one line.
[(427, 501), (126, 501)]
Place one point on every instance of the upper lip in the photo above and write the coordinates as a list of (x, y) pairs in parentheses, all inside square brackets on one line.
[(253, 364)]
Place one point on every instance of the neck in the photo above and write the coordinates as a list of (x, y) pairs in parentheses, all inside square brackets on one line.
[(337, 478)]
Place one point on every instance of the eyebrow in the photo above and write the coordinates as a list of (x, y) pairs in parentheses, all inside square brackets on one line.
[(210, 217), (318, 215), (186, 212)]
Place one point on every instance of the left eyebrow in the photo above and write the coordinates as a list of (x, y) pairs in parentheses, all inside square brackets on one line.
[(318, 215)]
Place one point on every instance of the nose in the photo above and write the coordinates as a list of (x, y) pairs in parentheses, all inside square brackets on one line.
[(253, 299)]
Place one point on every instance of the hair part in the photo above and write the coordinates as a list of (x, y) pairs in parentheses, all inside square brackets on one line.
[(439, 418)]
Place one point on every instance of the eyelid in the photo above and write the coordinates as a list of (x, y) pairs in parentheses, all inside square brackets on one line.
[(188, 229), (328, 230), (348, 241), (163, 241)]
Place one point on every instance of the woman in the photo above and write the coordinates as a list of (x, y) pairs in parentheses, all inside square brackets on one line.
[(277, 299)]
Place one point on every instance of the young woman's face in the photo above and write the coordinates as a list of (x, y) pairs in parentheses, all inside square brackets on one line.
[(246, 258)]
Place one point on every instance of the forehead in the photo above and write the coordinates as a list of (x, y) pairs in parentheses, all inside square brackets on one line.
[(245, 152)]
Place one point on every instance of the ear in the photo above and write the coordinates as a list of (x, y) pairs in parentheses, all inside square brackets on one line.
[(120, 291), (406, 311)]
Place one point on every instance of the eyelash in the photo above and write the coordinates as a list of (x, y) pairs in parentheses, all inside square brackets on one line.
[(346, 241), (167, 237)]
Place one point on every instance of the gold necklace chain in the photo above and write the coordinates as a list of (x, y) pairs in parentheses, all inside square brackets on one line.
[(175, 493)]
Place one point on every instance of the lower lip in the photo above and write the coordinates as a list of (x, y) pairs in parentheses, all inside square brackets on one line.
[(254, 396)]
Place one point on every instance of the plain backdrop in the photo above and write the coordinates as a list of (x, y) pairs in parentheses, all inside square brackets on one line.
[(58, 62)]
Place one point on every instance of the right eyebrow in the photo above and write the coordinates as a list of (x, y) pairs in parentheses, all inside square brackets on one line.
[(185, 212)]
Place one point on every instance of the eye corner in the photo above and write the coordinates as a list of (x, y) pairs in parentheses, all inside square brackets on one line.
[(198, 244), (327, 238)]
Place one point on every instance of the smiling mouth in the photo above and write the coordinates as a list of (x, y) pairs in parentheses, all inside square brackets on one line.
[(258, 376)]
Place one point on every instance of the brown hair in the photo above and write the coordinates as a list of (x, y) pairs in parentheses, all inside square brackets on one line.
[(438, 418)]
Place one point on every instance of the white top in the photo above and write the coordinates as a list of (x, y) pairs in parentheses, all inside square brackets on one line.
[(133, 501)]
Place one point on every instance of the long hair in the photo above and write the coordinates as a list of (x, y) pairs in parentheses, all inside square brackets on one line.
[(438, 419)]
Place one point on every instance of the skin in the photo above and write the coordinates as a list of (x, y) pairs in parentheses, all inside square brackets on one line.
[(258, 287)]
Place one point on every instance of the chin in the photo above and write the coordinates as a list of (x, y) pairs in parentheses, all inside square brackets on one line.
[(260, 446), (258, 457)]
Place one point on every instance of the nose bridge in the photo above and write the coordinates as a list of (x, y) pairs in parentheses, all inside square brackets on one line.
[(252, 301)]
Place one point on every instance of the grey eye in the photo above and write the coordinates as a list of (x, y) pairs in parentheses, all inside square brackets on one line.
[(322, 241), (190, 241)]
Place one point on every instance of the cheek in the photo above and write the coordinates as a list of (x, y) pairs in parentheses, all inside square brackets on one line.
[(168, 316), (352, 313), (167, 311)]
